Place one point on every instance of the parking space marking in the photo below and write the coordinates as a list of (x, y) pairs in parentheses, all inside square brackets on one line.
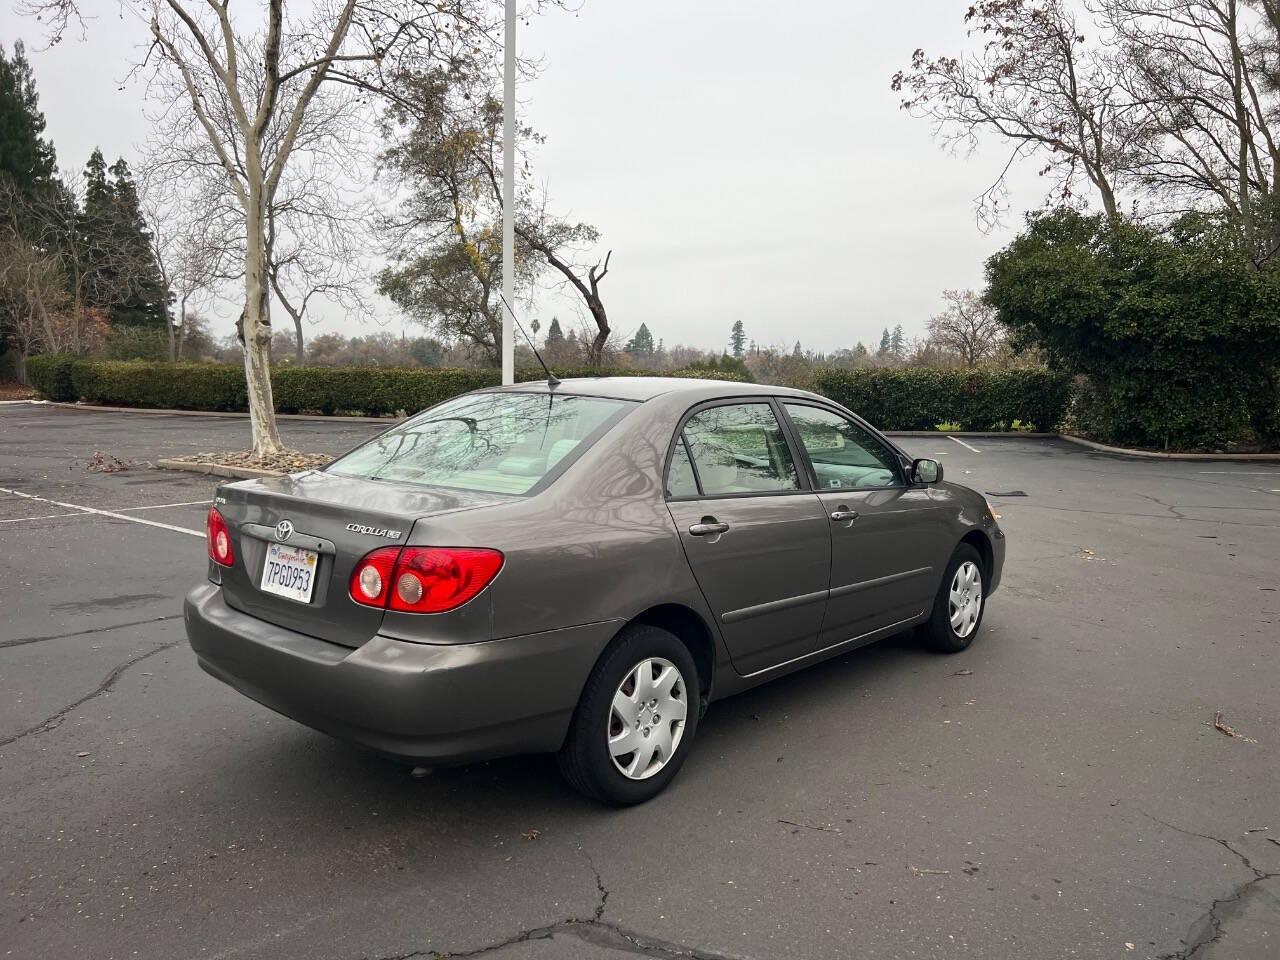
[(963, 444), (47, 516), (164, 506), (107, 513)]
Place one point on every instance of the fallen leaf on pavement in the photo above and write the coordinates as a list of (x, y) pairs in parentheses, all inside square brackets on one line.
[(963, 673), (531, 834), (83, 753), (1221, 726)]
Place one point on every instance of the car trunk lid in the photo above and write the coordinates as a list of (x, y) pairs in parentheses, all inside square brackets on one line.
[(322, 523)]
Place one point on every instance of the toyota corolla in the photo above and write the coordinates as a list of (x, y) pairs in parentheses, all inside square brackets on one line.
[(580, 567)]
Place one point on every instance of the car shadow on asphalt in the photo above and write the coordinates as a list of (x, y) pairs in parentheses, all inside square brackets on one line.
[(294, 761)]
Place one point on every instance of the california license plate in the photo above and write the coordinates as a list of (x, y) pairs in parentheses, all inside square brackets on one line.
[(290, 572)]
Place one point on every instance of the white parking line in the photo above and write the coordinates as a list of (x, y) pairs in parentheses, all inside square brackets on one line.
[(105, 513), (47, 516), (1243, 473), (963, 444), (153, 506)]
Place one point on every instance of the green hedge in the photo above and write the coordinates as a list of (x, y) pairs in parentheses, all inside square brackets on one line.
[(903, 399), (920, 398), (371, 391), (50, 373)]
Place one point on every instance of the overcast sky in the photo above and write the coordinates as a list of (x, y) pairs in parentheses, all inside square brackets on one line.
[(743, 160)]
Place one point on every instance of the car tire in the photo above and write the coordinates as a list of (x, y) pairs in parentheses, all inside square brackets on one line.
[(589, 758), (952, 627)]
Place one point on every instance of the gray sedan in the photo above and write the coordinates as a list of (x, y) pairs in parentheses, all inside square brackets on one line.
[(581, 567)]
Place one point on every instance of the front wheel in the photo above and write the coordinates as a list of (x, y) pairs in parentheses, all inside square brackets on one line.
[(958, 607), (636, 720)]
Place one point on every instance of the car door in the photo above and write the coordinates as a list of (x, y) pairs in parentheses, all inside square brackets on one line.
[(885, 531), (756, 536)]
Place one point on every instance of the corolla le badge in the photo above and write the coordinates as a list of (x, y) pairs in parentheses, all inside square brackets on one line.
[(374, 531), (284, 530)]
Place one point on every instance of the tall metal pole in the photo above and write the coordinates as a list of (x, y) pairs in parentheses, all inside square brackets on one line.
[(509, 194)]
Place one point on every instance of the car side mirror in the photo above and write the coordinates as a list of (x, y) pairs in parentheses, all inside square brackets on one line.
[(926, 471)]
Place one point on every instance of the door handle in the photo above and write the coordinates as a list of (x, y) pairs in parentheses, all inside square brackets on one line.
[(708, 527), (843, 513)]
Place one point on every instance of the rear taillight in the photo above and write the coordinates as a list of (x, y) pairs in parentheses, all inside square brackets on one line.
[(372, 576), (423, 579), (219, 539)]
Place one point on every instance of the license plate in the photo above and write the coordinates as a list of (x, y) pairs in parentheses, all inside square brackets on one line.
[(289, 572)]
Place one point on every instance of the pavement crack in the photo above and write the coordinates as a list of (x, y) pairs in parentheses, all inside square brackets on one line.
[(600, 887), (1208, 927), (53, 721), (23, 641), (589, 930)]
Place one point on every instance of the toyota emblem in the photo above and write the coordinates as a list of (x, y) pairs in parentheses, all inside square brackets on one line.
[(284, 530)]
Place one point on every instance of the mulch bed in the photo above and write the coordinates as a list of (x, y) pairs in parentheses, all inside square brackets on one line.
[(287, 462), (12, 390)]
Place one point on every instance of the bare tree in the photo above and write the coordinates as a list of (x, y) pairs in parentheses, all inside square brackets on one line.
[(192, 251), (33, 300), (1038, 84), (248, 83), (968, 327), (447, 152), (1205, 75)]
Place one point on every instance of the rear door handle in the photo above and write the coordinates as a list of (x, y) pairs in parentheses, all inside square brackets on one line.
[(708, 527), (843, 513)]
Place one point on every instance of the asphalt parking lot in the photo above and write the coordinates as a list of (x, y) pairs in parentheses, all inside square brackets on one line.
[(1058, 790)]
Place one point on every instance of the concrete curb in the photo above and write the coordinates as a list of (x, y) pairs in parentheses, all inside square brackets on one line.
[(1160, 455), (971, 433), (218, 469), (211, 413)]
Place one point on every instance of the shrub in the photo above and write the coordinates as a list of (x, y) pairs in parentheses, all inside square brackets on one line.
[(920, 398), (50, 374), (371, 391), (1178, 334), (179, 386)]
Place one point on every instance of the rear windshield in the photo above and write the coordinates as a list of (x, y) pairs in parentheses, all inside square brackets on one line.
[(495, 442)]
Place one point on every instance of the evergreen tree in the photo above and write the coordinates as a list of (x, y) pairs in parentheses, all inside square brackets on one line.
[(641, 345), (115, 250), (886, 342), (897, 343), (860, 350), (738, 338), (555, 336), (25, 157), (797, 352), (146, 300)]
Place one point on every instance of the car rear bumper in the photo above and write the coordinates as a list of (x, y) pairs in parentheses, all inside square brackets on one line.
[(434, 703)]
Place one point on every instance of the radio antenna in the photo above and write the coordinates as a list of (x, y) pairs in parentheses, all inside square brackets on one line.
[(552, 379)]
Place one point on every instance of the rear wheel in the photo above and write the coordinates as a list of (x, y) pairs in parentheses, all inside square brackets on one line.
[(959, 605), (636, 720)]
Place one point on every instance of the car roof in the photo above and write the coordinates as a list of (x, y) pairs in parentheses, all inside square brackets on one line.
[(646, 388)]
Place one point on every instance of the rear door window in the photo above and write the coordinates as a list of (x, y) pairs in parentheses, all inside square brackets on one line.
[(501, 442), (739, 448)]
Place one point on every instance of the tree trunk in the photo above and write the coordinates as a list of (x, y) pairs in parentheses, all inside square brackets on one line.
[(173, 344), (182, 330), (256, 334), (299, 351)]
